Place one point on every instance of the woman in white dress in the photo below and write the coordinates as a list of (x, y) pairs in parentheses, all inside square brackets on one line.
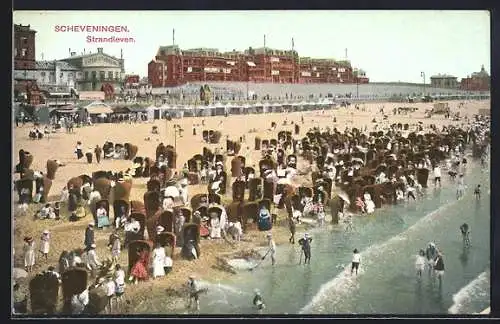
[(158, 261), (29, 253), (215, 226)]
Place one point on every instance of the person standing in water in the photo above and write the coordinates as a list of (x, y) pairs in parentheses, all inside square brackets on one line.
[(258, 301), (431, 253), (437, 175), (306, 248), (464, 228), (461, 186), (420, 263), (194, 292), (356, 260), (439, 267), (477, 192)]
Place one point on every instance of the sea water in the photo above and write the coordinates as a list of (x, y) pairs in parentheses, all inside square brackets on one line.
[(389, 241)]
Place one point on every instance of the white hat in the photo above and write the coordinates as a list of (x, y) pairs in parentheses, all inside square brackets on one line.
[(306, 235), (184, 182), (192, 277), (160, 228), (92, 245), (101, 280), (46, 231), (269, 235), (257, 291), (91, 224), (219, 163)]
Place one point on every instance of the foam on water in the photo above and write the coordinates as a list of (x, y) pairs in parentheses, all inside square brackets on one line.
[(344, 282), (241, 264), (479, 287)]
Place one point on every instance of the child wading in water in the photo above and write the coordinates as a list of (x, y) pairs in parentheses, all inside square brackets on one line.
[(420, 263), (356, 260)]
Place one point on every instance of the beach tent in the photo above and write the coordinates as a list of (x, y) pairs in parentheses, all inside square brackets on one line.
[(98, 108)]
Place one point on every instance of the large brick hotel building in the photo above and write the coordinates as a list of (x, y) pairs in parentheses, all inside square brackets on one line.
[(173, 66)]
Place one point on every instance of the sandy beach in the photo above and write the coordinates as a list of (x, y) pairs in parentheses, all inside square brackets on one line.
[(66, 235)]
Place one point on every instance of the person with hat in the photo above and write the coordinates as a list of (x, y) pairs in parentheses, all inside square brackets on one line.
[(115, 246), (258, 301), (93, 262), (45, 244), (89, 236), (439, 266), (197, 217), (29, 253), (204, 228)]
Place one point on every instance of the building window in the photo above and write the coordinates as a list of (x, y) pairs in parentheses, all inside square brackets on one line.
[(102, 75), (15, 51), (116, 76), (110, 75), (94, 75), (42, 74), (24, 51), (24, 40), (70, 75)]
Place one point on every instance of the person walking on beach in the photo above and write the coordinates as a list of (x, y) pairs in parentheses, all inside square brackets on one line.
[(98, 153), (78, 150), (258, 301), (477, 192), (437, 175), (272, 248), (464, 228), (292, 226), (420, 263), (356, 260)]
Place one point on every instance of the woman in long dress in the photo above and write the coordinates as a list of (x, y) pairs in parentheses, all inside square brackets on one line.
[(215, 228), (29, 253), (102, 217), (45, 244), (158, 261)]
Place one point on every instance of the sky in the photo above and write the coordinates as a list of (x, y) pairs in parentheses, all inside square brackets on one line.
[(390, 46)]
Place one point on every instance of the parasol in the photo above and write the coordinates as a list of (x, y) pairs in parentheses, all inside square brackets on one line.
[(171, 191)]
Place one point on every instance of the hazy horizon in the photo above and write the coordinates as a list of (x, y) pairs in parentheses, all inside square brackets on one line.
[(391, 46)]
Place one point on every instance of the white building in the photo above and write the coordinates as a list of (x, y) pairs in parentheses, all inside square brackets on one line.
[(57, 73)]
